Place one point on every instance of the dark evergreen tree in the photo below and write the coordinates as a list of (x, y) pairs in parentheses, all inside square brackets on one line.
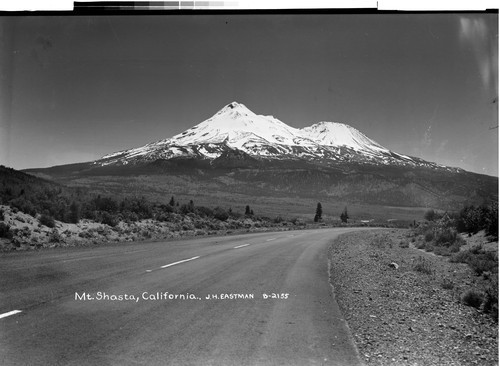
[(247, 210), (344, 216), (172, 201), (74, 213), (184, 209), (319, 213), (492, 221)]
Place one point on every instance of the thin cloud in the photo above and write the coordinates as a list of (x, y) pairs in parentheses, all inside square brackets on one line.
[(427, 140)]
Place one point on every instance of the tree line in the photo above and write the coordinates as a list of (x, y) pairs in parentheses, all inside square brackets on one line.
[(344, 216), (471, 219), (53, 201)]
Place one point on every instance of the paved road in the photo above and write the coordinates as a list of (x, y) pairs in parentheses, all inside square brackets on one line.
[(72, 313)]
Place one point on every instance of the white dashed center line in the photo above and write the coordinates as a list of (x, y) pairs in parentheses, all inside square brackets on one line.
[(173, 264), (271, 239), (13, 312), (184, 260), (241, 246)]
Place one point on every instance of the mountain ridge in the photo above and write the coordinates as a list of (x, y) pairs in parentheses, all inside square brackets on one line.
[(237, 154), (235, 127)]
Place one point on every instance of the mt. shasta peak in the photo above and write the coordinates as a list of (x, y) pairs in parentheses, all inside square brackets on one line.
[(235, 127), (245, 156)]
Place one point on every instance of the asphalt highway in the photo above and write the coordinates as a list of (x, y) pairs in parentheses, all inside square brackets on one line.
[(254, 299)]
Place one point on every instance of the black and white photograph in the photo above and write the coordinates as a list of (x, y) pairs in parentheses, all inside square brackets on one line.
[(197, 183)]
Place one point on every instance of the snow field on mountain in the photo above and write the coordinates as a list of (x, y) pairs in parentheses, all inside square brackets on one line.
[(237, 127)]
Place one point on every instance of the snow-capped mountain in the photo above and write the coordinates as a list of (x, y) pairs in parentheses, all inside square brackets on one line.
[(235, 127), (239, 155)]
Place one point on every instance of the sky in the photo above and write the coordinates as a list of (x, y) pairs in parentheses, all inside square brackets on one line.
[(73, 89)]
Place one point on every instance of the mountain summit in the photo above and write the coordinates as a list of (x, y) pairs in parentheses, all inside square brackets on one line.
[(245, 157), (235, 127)]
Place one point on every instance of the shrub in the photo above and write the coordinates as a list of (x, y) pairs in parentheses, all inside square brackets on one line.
[(421, 245), (85, 234), (5, 231), (166, 217), (278, 220), (484, 263), (55, 237), (445, 236), (461, 257), (185, 209), (220, 214), (442, 239), (447, 284), (47, 220), (235, 215), (187, 225), (109, 219), (167, 208), (473, 298), (455, 247), (404, 244), (204, 211), (478, 259), (429, 235), (23, 205), (429, 247), (200, 224), (478, 249), (444, 251), (423, 265), (430, 215), (132, 216), (490, 304), (137, 205), (297, 221)]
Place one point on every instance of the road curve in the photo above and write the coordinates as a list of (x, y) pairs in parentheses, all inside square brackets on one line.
[(203, 301)]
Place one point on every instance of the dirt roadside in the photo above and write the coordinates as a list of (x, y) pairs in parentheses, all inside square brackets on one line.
[(402, 316)]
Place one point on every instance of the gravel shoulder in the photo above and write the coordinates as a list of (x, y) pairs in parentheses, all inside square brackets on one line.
[(401, 316)]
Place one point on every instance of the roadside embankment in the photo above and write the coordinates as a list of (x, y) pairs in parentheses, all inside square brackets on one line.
[(20, 231), (405, 306)]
